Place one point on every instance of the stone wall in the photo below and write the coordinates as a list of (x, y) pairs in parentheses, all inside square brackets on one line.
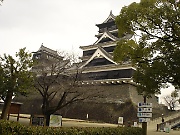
[(109, 93), (111, 101), (102, 112), (119, 93)]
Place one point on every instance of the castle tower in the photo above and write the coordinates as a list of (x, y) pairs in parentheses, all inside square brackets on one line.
[(101, 72), (97, 64)]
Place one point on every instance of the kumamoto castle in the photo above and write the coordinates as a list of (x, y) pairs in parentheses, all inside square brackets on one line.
[(119, 96)]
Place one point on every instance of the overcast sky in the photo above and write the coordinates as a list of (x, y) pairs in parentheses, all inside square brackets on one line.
[(58, 24), (62, 25)]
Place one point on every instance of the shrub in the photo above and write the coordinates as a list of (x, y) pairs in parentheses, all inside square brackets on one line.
[(14, 128)]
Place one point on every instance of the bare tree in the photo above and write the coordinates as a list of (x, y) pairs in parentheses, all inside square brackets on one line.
[(58, 82), (172, 100), (1, 2)]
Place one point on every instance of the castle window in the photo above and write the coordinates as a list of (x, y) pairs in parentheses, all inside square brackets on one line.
[(37, 56)]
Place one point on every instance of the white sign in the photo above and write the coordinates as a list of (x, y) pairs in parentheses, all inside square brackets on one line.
[(55, 121), (120, 120), (144, 109), (144, 115), (144, 112), (145, 105), (144, 119), (135, 124)]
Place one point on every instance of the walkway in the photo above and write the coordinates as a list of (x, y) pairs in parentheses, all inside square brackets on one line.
[(152, 125)]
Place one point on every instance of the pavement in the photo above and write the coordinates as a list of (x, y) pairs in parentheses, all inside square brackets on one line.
[(151, 129)]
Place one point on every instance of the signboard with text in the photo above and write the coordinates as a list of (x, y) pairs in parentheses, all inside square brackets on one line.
[(144, 112), (120, 120), (148, 105), (55, 121), (144, 109), (144, 119), (37, 120), (144, 115)]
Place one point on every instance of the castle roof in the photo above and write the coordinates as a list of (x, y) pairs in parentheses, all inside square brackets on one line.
[(45, 49), (99, 52), (107, 34), (105, 44), (48, 51), (110, 18)]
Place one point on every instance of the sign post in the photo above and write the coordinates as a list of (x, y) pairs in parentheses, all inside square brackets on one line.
[(144, 114)]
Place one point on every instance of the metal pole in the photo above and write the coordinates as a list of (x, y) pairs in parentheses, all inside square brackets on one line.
[(144, 124)]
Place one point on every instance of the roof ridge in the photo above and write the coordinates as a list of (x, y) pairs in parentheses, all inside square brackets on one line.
[(109, 35), (111, 16), (106, 53), (99, 51), (47, 49)]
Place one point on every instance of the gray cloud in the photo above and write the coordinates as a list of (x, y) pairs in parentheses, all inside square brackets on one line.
[(60, 24)]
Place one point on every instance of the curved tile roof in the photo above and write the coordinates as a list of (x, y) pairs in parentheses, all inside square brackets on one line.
[(100, 52), (105, 35)]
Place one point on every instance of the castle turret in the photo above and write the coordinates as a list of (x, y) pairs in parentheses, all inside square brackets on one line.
[(97, 60)]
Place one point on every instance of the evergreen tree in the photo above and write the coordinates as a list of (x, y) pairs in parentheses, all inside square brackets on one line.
[(155, 49), (15, 78)]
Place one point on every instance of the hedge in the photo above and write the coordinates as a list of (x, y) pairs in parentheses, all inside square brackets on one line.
[(14, 128)]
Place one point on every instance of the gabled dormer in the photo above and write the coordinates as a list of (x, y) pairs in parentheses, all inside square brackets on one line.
[(106, 37), (100, 57)]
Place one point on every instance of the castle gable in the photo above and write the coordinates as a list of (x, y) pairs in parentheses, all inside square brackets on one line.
[(106, 37), (100, 53)]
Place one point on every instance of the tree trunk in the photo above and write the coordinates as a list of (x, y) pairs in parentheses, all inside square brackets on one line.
[(144, 127), (7, 104), (47, 116)]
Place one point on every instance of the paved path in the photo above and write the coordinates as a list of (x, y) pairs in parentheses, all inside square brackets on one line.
[(152, 131), (152, 127), (163, 133)]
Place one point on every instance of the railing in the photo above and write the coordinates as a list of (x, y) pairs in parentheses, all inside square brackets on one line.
[(175, 122), (167, 118), (171, 123)]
